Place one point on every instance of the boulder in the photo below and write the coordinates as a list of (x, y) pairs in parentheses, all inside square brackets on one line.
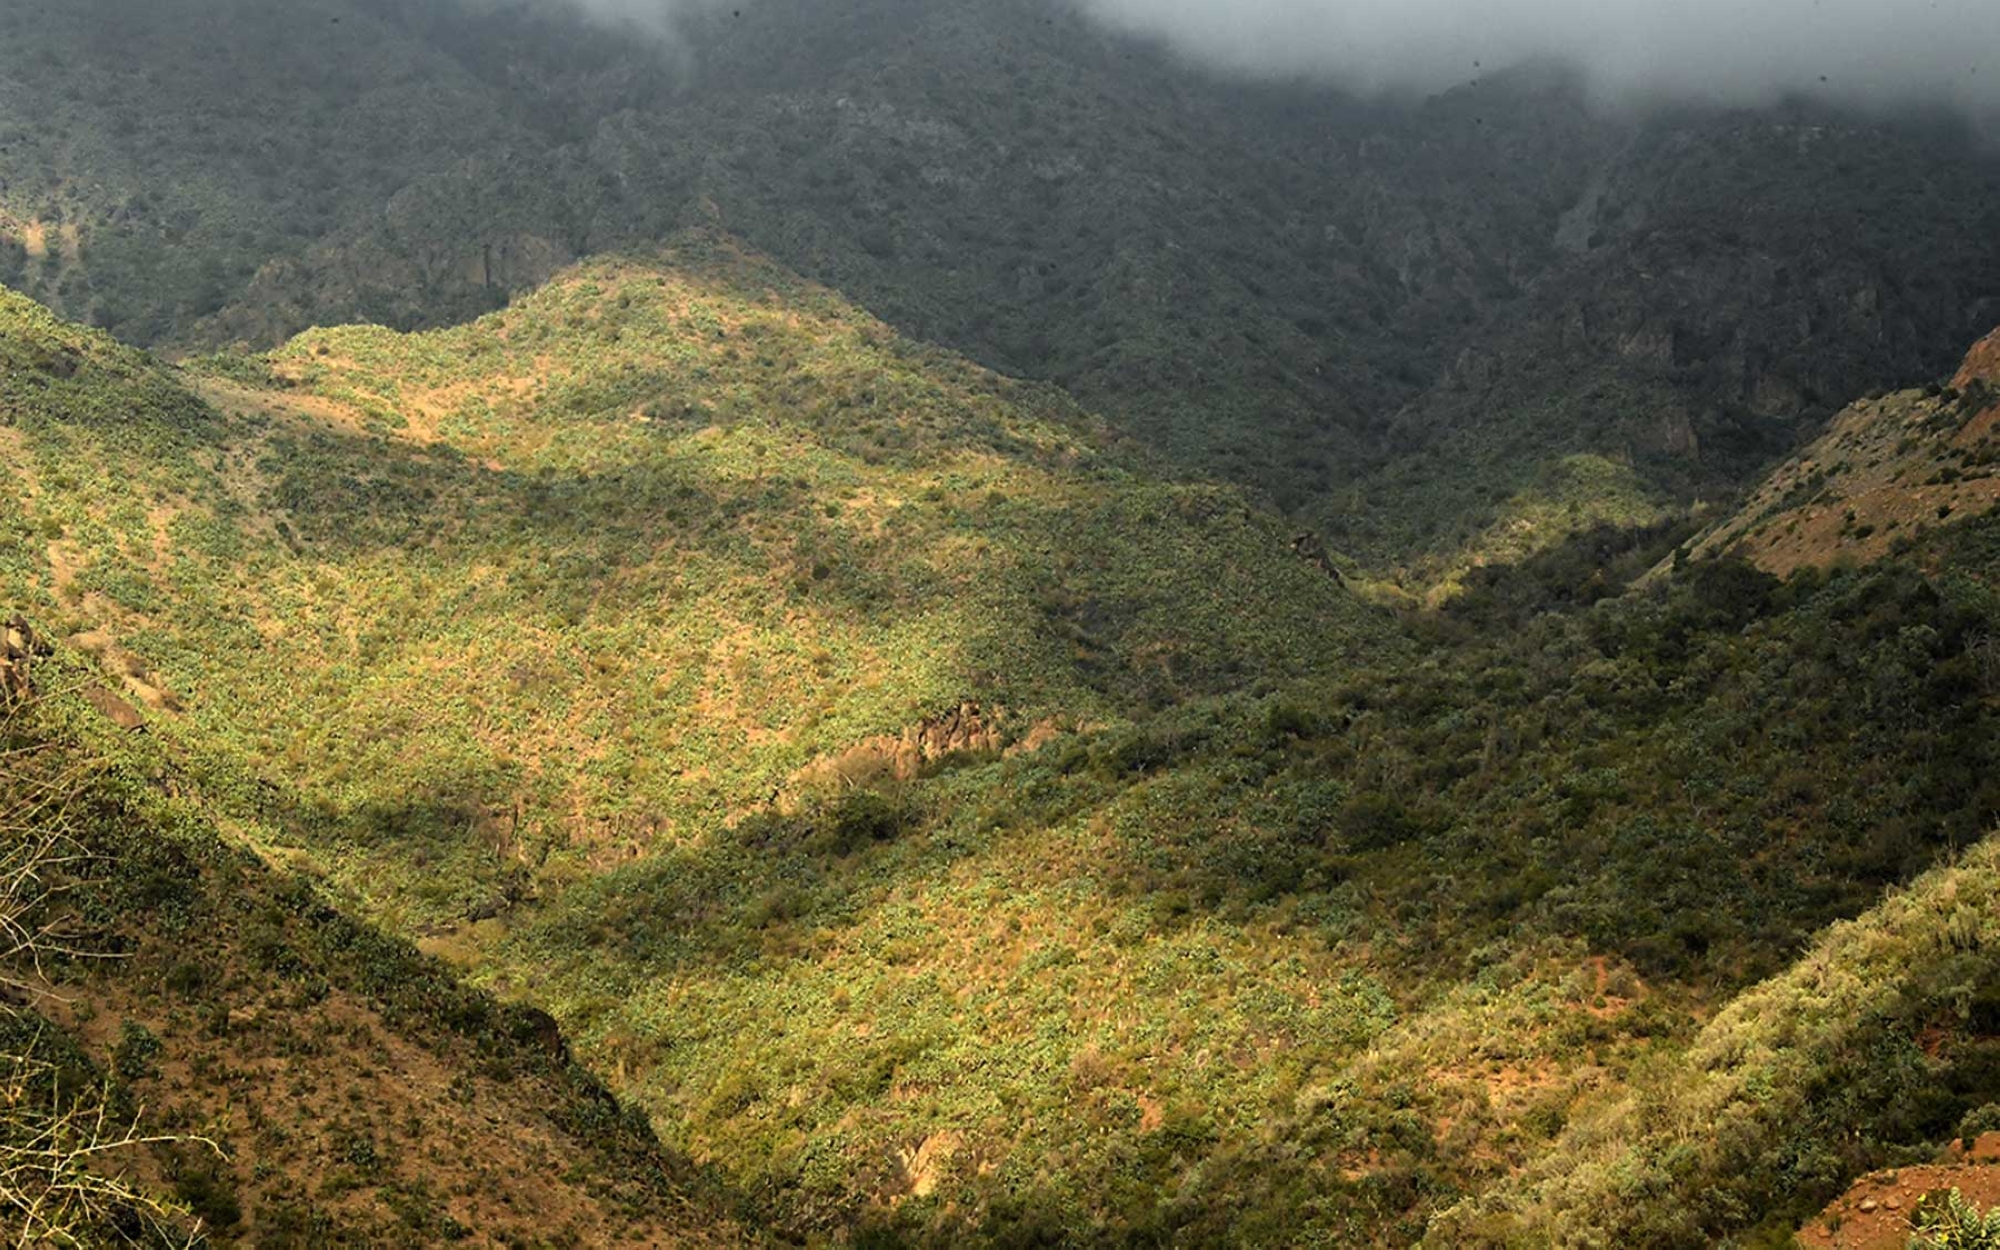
[(115, 709)]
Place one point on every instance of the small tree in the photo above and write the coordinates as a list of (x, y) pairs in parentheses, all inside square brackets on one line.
[(61, 1146)]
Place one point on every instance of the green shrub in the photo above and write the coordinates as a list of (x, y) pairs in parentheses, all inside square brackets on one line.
[(1948, 1222), (137, 1055)]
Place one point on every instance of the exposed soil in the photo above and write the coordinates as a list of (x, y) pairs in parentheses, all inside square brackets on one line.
[(1885, 470), (332, 1119), (1874, 1214), (1982, 363)]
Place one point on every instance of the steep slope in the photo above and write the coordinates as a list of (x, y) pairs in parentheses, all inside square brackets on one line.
[(1886, 470), (1739, 276), (1391, 321), (156, 158), (1874, 1037), (984, 839), (624, 559), (297, 1078)]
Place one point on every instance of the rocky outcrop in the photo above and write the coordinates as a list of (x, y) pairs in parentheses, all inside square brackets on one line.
[(1310, 548), (966, 729), (115, 709), (1981, 365), (136, 676)]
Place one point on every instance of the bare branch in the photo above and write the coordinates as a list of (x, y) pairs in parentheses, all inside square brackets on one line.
[(60, 1180)]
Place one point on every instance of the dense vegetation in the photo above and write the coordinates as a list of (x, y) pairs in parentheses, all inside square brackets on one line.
[(1257, 914), (714, 527), (1014, 643), (1394, 323), (194, 1044)]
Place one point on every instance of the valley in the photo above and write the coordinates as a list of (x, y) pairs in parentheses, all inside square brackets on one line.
[(922, 624)]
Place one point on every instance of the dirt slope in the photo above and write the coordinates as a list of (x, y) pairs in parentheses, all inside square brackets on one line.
[(1887, 469)]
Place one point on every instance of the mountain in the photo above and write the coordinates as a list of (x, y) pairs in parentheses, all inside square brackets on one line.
[(987, 839), (1885, 470), (1386, 320), (914, 623), (693, 512)]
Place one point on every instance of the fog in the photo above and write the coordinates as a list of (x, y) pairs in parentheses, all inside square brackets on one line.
[(1871, 52), (1879, 52), (650, 13)]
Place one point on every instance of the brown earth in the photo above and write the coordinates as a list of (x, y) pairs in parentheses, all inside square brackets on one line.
[(1874, 1214), (1885, 471), (329, 1115), (1982, 364), (354, 1092)]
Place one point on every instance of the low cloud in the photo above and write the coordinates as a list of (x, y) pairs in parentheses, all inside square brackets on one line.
[(651, 14), (1870, 52), (1883, 53)]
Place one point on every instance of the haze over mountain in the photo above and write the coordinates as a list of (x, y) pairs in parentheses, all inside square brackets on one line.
[(1318, 298), (1844, 51), (1853, 52), (997, 622)]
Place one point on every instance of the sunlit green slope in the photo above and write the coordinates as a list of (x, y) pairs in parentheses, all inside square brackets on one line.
[(609, 569), (624, 646)]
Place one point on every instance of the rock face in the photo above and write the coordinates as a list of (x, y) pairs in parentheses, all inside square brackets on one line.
[(967, 728)]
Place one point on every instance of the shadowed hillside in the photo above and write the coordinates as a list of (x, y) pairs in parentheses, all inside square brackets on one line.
[(222, 1053), (1392, 321), (944, 829)]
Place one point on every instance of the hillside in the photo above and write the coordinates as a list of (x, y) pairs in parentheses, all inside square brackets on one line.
[(912, 622), (1885, 471), (625, 559), (941, 826), (296, 1078), (1873, 1030), (1391, 322)]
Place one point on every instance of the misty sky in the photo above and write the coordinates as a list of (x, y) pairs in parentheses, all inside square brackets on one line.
[(1935, 51), (1868, 51)]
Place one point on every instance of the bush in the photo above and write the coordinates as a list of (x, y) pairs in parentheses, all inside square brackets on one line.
[(1948, 1222), (860, 819), (136, 1058)]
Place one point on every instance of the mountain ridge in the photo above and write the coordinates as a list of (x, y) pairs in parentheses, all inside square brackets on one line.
[(1322, 300)]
